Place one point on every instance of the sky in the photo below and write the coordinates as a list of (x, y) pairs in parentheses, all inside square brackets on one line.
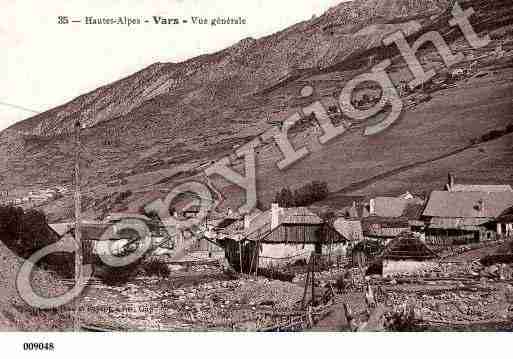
[(45, 64)]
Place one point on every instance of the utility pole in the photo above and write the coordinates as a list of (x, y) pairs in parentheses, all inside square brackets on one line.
[(78, 233)]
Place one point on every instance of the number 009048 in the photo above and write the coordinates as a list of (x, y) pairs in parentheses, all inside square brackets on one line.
[(38, 346)]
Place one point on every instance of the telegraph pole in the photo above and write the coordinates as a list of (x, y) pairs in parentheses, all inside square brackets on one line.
[(78, 233)]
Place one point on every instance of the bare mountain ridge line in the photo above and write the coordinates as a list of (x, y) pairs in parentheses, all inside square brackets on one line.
[(160, 68), (80, 104)]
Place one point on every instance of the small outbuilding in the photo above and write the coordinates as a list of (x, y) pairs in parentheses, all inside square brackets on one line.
[(407, 254)]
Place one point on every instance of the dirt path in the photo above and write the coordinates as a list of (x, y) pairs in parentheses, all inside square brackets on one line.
[(355, 186), (15, 314)]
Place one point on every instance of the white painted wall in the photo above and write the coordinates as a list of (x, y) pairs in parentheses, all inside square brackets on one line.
[(281, 254), (337, 249), (393, 267)]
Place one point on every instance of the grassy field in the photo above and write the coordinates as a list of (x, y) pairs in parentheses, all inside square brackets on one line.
[(431, 130)]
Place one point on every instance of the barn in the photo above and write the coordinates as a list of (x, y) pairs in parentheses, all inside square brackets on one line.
[(295, 233), (460, 217), (281, 236), (407, 254)]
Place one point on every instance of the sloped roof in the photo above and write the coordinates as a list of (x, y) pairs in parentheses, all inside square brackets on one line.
[(408, 246), (389, 206), (457, 223), (259, 223), (468, 204), (481, 188), (61, 228), (299, 215), (506, 216), (224, 223), (413, 210), (350, 229), (236, 227), (384, 226), (385, 221)]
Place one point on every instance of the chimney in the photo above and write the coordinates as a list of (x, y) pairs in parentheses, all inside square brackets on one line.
[(247, 221), (450, 184), (372, 207), (275, 215)]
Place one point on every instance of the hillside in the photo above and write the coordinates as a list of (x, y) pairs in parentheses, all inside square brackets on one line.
[(15, 314), (160, 125)]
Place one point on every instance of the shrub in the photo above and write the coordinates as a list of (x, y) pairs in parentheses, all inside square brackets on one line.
[(303, 196), (492, 135), (117, 276), (496, 258), (155, 268), (26, 232), (285, 198)]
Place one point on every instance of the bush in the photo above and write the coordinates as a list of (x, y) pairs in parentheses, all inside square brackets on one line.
[(285, 198), (492, 135), (26, 232), (155, 268), (303, 196), (116, 276), (496, 258)]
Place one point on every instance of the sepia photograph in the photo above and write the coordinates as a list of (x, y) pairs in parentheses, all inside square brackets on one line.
[(314, 168)]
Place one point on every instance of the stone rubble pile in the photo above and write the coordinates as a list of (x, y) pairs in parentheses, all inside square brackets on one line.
[(278, 294), (219, 304), (456, 306), (353, 278)]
